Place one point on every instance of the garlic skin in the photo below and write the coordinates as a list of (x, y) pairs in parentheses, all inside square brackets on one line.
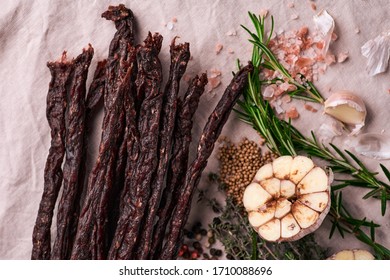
[(377, 51), (325, 25), (371, 145), (347, 108)]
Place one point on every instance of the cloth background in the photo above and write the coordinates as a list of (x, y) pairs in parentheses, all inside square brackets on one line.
[(34, 32)]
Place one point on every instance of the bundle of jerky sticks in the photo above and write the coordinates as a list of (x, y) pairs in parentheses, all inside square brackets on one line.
[(138, 195)]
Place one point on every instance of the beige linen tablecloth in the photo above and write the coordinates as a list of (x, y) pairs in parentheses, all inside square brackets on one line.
[(34, 32)]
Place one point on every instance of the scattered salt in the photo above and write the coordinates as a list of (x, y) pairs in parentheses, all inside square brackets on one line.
[(170, 25), (218, 48), (213, 83), (263, 13), (215, 73), (290, 5), (230, 51), (313, 5), (231, 33), (334, 36), (174, 19), (357, 30), (292, 113), (294, 17), (341, 57), (310, 108)]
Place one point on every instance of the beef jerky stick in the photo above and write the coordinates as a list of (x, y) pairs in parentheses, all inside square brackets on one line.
[(178, 163), (148, 80), (94, 97), (210, 134), (91, 228), (180, 55), (55, 113), (75, 124)]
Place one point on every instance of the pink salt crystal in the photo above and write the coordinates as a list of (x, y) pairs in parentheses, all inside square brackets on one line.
[(342, 57), (330, 59), (187, 78), (303, 61), (231, 33), (284, 86), (294, 17), (292, 113), (214, 82), (263, 13), (320, 45), (215, 73), (286, 98), (230, 51), (310, 108), (357, 30), (334, 36), (269, 92), (174, 19), (313, 6), (218, 48), (290, 5)]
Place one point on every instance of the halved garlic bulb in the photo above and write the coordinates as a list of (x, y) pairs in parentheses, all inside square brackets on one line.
[(355, 254), (347, 108), (287, 199)]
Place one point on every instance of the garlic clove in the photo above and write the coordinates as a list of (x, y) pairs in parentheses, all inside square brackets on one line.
[(347, 108), (271, 230), (316, 201), (356, 254), (315, 181), (287, 188), (289, 226), (259, 218), (272, 186), (304, 215), (300, 166), (265, 172), (281, 167), (255, 197), (283, 207)]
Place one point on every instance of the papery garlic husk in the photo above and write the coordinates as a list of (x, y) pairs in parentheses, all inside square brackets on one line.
[(348, 108), (288, 198), (377, 51), (372, 145), (355, 254), (325, 25)]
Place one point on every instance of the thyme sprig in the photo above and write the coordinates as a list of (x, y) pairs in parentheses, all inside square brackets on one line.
[(284, 139)]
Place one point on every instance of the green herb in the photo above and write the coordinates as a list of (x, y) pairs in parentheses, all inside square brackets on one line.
[(284, 139)]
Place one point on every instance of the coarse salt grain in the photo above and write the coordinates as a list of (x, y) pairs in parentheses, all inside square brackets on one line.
[(292, 113), (174, 19), (290, 5), (310, 108), (313, 5), (263, 13), (294, 17), (218, 48), (341, 57), (170, 25), (230, 51), (214, 82)]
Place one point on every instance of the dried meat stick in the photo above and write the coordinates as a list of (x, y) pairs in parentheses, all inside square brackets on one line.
[(210, 134), (75, 121), (148, 81), (90, 239), (180, 55), (179, 159), (94, 96), (55, 113)]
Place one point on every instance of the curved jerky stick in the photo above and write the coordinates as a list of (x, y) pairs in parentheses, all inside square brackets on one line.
[(210, 134), (138, 185), (90, 238), (178, 163), (75, 120), (180, 55), (55, 113)]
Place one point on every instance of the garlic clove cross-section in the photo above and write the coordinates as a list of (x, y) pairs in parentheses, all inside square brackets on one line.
[(288, 198)]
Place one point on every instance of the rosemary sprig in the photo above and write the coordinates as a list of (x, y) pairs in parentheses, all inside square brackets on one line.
[(263, 56), (284, 139)]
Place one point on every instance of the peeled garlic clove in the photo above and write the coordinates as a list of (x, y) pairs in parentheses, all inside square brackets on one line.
[(347, 108)]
